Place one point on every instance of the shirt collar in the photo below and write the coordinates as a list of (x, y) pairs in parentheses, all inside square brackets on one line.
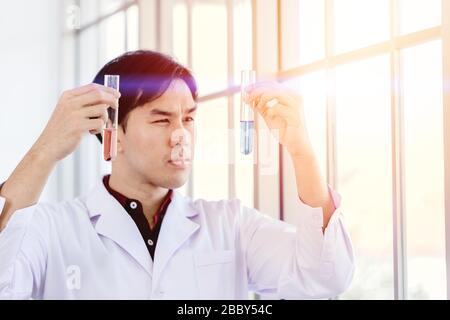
[(125, 201)]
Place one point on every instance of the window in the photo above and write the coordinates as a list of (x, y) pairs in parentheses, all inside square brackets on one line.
[(358, 24), (209, 46), (383, 84), (216, 59), (311, 26), (424, 170), (108, 28), (416, 15), (363, 137)]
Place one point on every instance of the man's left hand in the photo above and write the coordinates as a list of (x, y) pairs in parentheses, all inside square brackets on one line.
[(282, 110)]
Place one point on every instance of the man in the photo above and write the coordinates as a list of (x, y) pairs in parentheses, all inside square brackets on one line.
[(133, 235)]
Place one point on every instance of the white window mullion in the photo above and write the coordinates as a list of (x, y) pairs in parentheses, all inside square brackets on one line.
[(446, 113), (265, 62), (231, 128), (148, 26), (190, 183), (331, 97), (398, 196)]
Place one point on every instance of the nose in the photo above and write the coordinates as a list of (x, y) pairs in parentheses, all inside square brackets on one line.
[(180, 137)]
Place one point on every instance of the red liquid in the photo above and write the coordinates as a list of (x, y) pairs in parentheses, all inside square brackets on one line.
[(109, 144)]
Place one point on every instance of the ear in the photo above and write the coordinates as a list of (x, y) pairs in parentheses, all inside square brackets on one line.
[(120, 139)]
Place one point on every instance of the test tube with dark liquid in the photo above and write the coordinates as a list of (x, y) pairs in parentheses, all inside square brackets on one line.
[(248, 77), (110, 130)]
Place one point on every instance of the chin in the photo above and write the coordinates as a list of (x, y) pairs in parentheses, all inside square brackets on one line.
[(175, 181), (176, 185)]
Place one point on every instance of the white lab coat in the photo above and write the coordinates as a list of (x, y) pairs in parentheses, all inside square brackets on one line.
[(90, 248)]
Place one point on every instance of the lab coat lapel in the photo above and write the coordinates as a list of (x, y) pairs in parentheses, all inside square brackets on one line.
[(114, 223), (176, 229)]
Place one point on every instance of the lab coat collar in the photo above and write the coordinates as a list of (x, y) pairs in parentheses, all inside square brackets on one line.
[(111, 220), (100, 192), (176, 229), (115, 223)]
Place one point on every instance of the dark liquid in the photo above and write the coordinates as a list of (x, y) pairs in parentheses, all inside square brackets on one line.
[(109, 144), (246, 137)]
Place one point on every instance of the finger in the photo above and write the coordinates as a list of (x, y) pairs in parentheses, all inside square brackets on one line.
[(272, 103), (281, 95), (101, 128), (279, 110), (95, 131), (95, 111), (96, 97), (98, 112), (258, 88), (274, 98), (260, 84), (94, 125), (92, 87), (269, 85)]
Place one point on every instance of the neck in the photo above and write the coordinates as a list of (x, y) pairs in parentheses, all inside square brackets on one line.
[(135, 187)]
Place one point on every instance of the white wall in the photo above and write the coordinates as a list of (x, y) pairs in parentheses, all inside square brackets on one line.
[(30, 33)]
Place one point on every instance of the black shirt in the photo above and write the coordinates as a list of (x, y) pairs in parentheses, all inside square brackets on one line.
[(134, 209)]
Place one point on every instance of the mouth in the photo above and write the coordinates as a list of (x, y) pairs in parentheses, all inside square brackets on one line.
[(180, 164)]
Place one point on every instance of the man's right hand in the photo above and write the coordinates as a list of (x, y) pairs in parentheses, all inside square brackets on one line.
[(78, 111)]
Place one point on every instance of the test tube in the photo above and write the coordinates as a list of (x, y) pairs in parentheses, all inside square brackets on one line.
[(248, 77), (110, 129)]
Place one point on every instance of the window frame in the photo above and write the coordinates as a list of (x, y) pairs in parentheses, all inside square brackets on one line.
[(393, 47), (156, 34)]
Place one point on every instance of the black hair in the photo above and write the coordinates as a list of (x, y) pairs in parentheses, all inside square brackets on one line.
[(144, 76)]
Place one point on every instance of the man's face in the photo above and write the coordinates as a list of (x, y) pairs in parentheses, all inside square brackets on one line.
[(159, 141)]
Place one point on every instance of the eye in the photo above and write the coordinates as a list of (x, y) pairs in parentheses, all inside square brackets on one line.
[(189, 119), (161, 121)]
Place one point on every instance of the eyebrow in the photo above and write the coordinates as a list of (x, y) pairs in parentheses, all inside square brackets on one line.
[(168, 114)]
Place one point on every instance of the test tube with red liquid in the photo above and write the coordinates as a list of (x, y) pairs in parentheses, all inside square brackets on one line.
[(110, 129)]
